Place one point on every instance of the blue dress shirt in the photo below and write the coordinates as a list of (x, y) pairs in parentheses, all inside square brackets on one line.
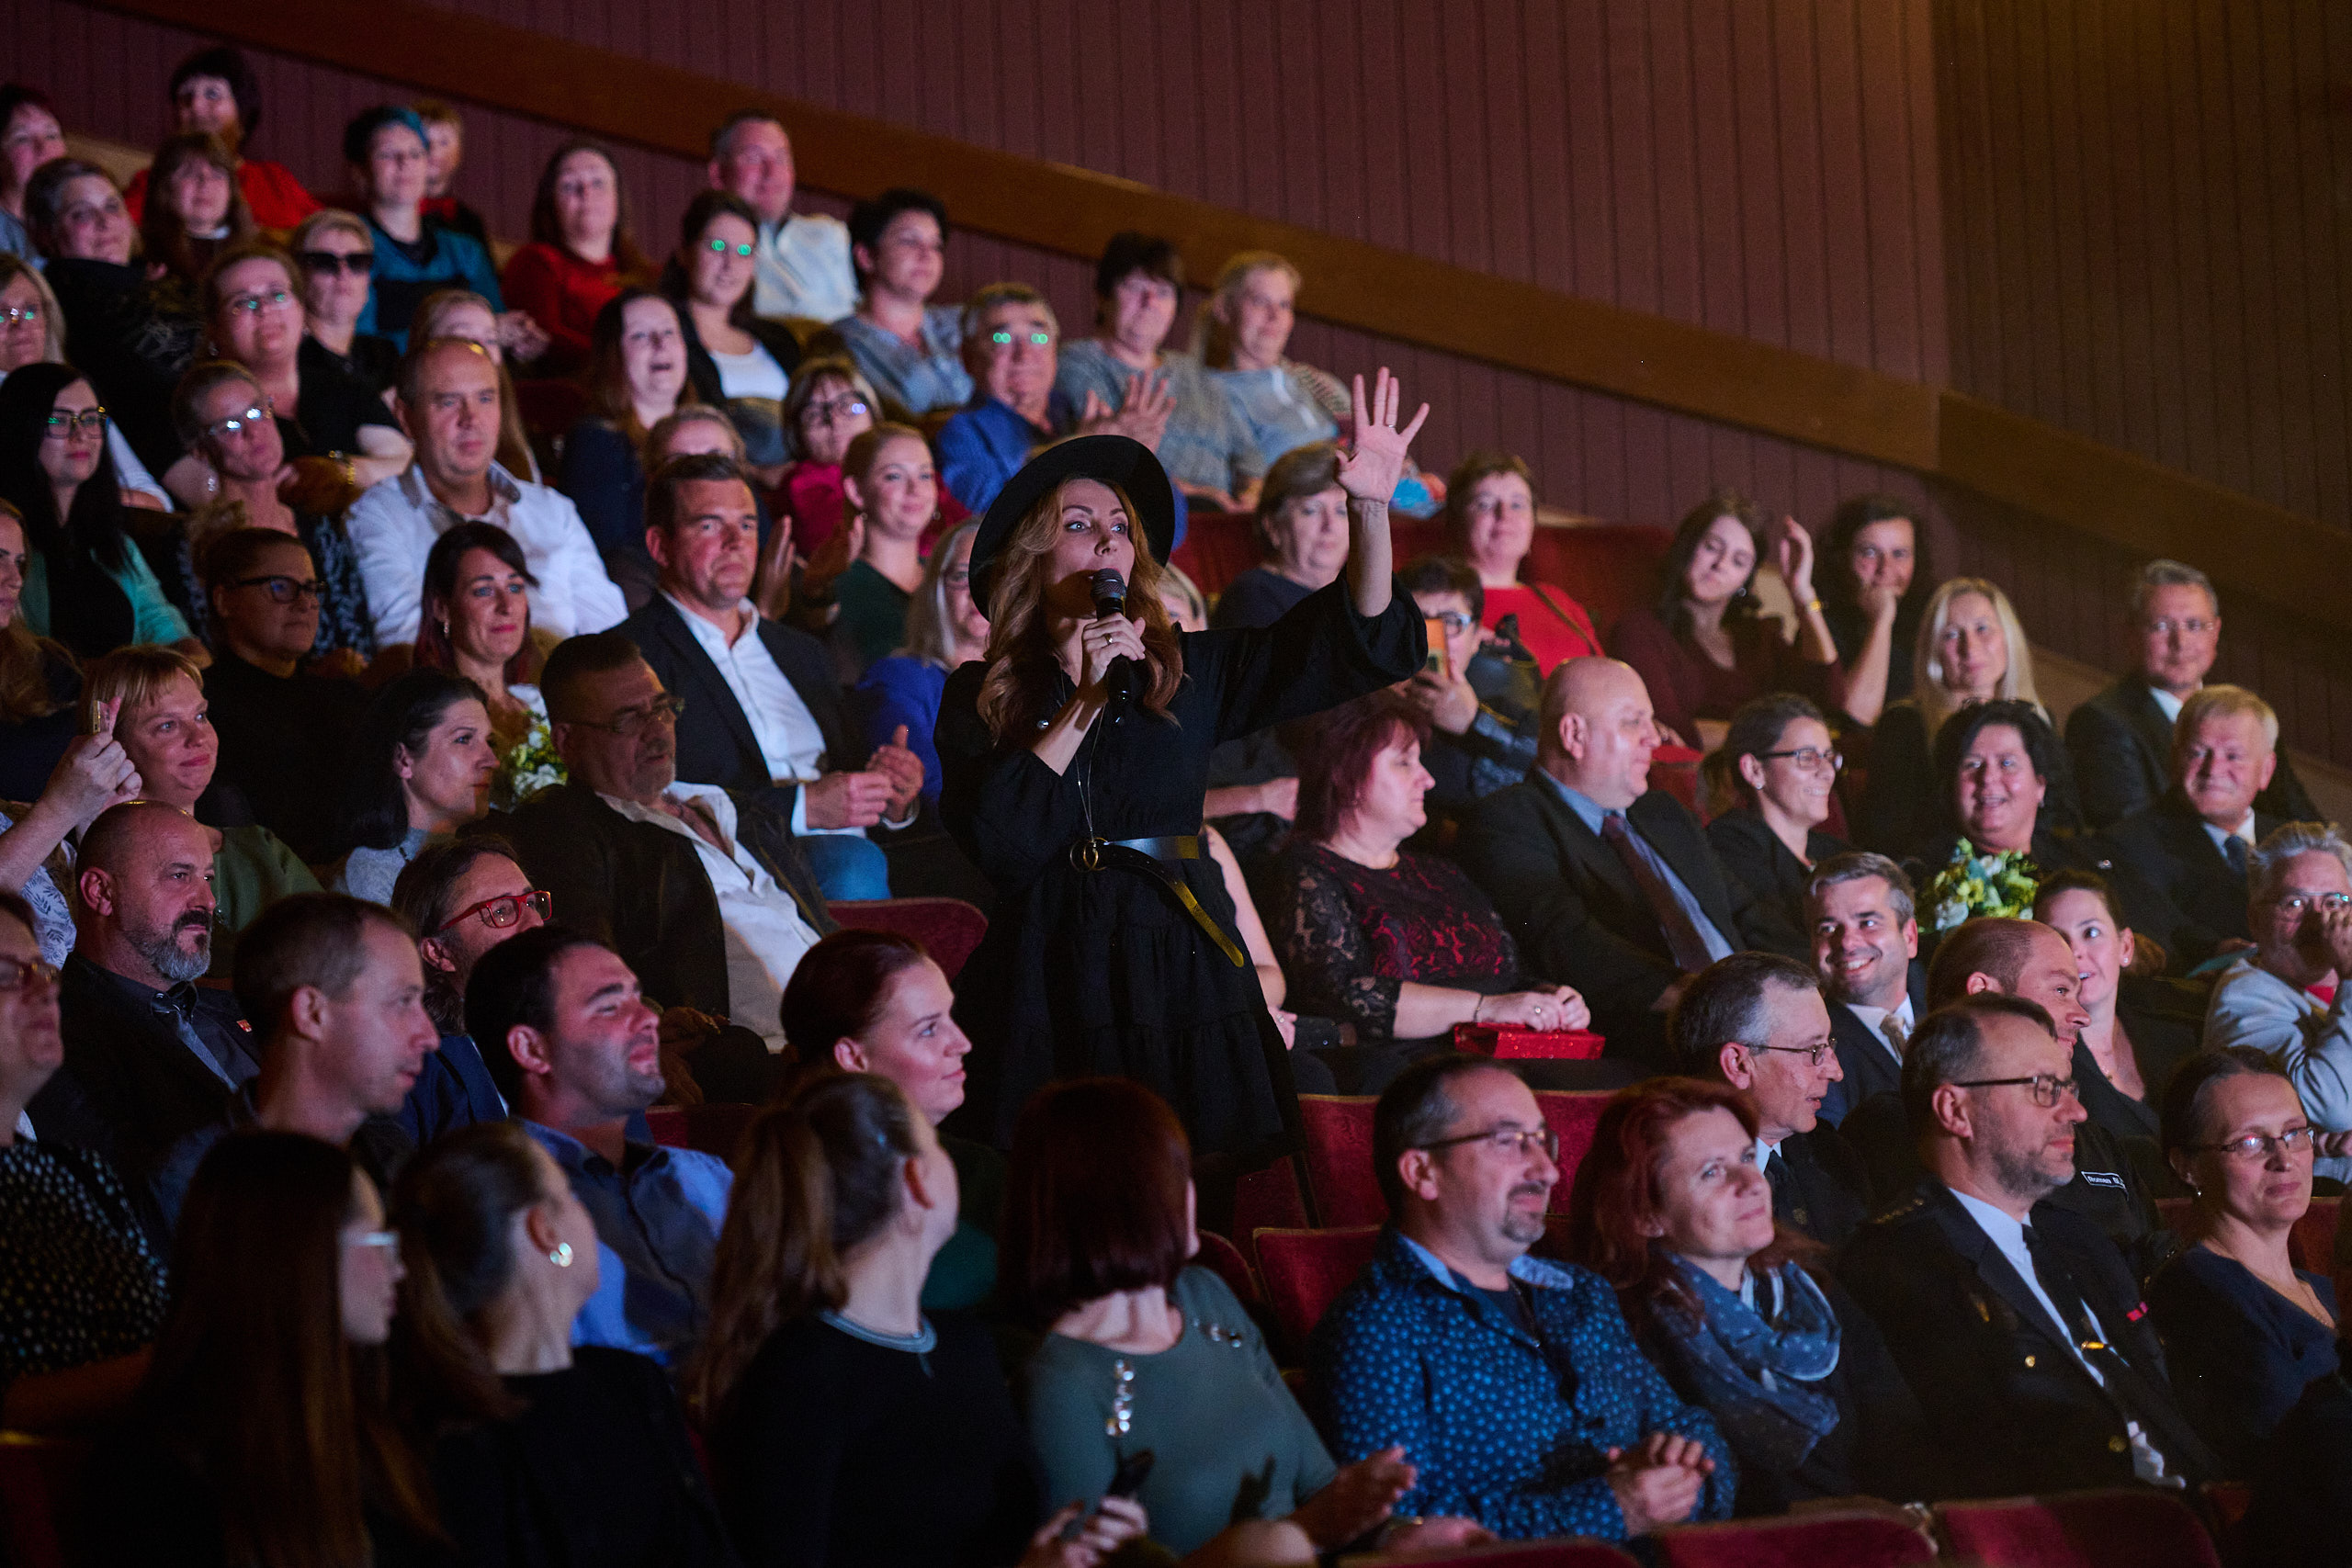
[(1590, 813)]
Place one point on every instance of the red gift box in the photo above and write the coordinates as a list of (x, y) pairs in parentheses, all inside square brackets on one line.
[(1508, 1041)]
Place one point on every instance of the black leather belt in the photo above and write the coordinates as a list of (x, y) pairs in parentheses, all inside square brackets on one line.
[(1148, 855)]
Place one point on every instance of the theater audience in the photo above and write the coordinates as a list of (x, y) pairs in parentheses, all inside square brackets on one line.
[(1702, 649), (548, 1452), (421, 765), (149, 1054), (1757, 1022), (462, 899), (1872, 579), (151, 700), (263, 1431), (1608, 885), (2288, 997), (803, 258), (2247, 1331), (196, 212), (1301, 528), (451, 403), (823, 1385), (82, 1291), (704, 895), (900, 693), (2141, 1028), (32, 328), (1458, 1349), (216, 93), (581, 254), (871, 1001), (736, 358), (1490, 522), (1970, 650), (742, 678), (831, 405), (575, 1050), (333, 991), (2193, 844), (384, 147), (37, 680), (1860, 910), (1403, 946), (1480, 706), (1738, 1309), (30, 137), (337, 251), (1202, 444), (1140, 1351), (445, 150), (2124, 738), (475, 621), (909, 348), (224, 415), (285, 731), (85, 583), (1996, 1300), (892, 489), (462, 313), (635, 376), (1781, 752)]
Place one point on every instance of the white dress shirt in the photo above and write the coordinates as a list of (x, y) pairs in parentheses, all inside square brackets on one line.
[(766, 935), (1875, 1019), (803, 269), (393, 525), (2170, 704), (2243, 833)]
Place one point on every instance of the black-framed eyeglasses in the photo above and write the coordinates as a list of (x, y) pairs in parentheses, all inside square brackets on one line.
[(836, 411), (62, 423), (629, 723), (2045, 1088), (2258, 1145), (1811, 1053), (15, 974), (326, 264), (234, 424), (1809, 758), (1506, 1141), (284, 590), (504, 911)]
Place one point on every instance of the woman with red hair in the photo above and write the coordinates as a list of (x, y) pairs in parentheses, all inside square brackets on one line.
[(1672, 1208)]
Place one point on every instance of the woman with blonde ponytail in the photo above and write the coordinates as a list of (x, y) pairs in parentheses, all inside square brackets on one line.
[(846, 1427)]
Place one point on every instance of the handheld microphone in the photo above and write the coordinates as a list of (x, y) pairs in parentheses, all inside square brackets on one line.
[(1110, 592)]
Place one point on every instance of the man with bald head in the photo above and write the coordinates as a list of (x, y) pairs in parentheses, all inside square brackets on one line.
[(1609, 885), (149, 1054), (449, 402)]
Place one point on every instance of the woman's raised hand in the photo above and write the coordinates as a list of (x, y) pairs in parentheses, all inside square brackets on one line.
[(1792, 553), (95, 772), (1372, 459), (1102, 641)]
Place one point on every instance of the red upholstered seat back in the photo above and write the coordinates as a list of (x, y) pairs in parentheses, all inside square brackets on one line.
[(2134, 1527), (1339, 1158), (1225, 1261), (715, 1128), (1574, 1114), (1810, 1541), (948, 928), (1306, 1271), (38, 1477), (2313, 1238)]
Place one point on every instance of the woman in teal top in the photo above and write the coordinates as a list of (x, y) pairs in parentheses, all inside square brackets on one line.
[(1144, 1352)]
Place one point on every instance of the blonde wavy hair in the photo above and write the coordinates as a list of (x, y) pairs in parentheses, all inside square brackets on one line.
[(1935, 700)]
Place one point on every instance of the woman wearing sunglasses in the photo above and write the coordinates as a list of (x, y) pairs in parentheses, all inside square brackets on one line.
[(338, 257), (734, 358)]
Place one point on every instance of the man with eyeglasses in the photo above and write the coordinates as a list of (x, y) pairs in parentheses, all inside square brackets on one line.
[(803, 259), (2123, 738), (1480, 706), (1511, 1385), (1756, 1021), (2016, 1322), (2288, 997)]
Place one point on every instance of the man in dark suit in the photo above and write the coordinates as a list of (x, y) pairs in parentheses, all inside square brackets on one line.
[(2121, 738), (703, 894), (2018, 1326), (1756, 1020), (763, 708), (149, 1054), (1609, 885), (1866, 950), (2193, 844)]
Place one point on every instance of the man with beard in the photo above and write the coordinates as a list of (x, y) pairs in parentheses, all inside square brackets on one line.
[(577, 1050), (1511, 1385), (2018, 1324), (149, 1056)]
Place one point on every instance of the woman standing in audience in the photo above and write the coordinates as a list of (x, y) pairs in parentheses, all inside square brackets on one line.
[(1779, 749), (461, 312), (1302, 527), (847, 1428), (196, 212), (1873, 569), (1971, 650), (215, 93), (1703, 649), (1404, 946), (909, 349), (1145, 1351), (892, 489), (338, 257), (2244, 1330), (262, 1432), (2141, 1027), (944, 631), (582, 252), (547, 1453), (1490, 522), (736, 358), (420, 770), (1671, 1208), (80, 1290), (477, 624), (32, 328), (635, 378), (831, 406)]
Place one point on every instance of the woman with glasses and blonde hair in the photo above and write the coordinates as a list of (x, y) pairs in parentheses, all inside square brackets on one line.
[(1785, 763), (337, 251)]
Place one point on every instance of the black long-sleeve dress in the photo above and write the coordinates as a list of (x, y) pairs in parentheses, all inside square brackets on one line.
[(1086, 973)]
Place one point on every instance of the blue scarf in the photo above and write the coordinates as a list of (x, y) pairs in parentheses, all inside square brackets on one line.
[(1751, 1373)]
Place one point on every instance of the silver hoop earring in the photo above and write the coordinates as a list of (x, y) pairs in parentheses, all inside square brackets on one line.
[(561, 1255)]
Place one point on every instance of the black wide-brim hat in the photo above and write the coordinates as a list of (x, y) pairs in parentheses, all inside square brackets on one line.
[(1119, 460)]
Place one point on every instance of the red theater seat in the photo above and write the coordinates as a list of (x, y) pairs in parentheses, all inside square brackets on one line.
[(948, 928), (1224, 1260), (1306, 1271), (2135, 1527), (713, 1128), (1809, 1541), (2313, 1238), (1339, 1158), (1574, 1114)]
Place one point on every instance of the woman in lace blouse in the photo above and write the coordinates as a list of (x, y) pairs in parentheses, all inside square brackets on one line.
[(1403, 946)]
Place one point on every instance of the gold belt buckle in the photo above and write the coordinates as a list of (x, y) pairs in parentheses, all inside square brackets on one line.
[(1087, 854)]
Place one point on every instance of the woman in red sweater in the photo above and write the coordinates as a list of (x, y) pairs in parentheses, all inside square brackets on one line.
[(582, 252)]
